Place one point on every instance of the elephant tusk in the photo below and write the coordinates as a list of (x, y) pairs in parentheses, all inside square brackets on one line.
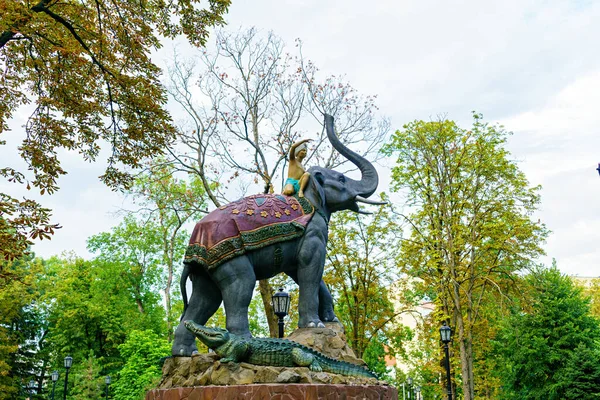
[(368, 201), (364, 212)]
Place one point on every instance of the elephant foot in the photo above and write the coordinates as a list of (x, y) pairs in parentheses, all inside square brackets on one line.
[(312, 324), (184, 351), (329, 318)]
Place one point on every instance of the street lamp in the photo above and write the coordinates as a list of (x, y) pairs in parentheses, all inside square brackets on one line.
[(54, 379), (446, 336), (281, 306), (409, 380), (31, 386), (418, 392), (598, 169), (68, 363), (107, 381)]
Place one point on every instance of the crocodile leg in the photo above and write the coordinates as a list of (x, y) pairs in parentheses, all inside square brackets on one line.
[(305, 359)]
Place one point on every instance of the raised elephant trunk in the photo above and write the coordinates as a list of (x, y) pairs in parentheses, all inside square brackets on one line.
[(369, 178)]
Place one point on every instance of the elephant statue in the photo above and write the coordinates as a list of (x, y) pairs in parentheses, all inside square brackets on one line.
[(260, 236)]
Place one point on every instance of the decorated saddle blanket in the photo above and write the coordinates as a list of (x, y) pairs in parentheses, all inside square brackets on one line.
[(248, 224)]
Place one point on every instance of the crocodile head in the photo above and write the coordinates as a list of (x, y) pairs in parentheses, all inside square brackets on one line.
[(211, 337)]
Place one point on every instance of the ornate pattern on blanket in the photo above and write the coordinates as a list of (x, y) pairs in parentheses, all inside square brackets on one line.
[(247, 224)]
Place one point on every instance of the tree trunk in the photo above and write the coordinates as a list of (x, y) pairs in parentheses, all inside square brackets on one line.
[(267, 293), (466, 360)]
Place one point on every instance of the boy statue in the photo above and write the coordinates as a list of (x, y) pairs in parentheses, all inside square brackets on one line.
[(297, 176)]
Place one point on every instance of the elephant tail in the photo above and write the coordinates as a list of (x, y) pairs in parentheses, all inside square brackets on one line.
[(182, 286)]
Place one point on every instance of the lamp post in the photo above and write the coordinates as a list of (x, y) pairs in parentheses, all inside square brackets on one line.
[(281, 306), (445, 335), (68, 363), (31, 386), (409, 380), (418, 392), (107, 381), (54, 379)]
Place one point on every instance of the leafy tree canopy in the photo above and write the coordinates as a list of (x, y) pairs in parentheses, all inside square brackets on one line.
[(143, 351), (550, 346), (84, 69), (470, 213)]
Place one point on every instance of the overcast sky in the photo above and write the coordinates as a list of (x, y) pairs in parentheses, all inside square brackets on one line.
[(532, 66)]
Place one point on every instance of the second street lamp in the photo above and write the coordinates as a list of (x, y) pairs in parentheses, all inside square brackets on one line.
[(68, 363), (446, 336), (54, 379), (281, 306), (107, 381)]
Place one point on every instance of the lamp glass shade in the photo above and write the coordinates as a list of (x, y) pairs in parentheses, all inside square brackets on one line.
[(409, 380), (418, 389), (54, 376), (68, 362), (281, 303), (445, 333), (107, 379), (31, 384)]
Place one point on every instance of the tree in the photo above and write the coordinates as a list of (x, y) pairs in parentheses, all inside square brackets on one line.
[(361, 273), (134, 249), (246, 104), (19, 325), (168, 203), (470, 219), (47, 50), (92, 306), (142, 353), (593, 291), (86, 380), (550, 345)]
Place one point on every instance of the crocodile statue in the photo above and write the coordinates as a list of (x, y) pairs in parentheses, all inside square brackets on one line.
[(271, 352)]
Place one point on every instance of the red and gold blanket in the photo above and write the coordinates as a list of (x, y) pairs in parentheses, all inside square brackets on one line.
[(247, 224)]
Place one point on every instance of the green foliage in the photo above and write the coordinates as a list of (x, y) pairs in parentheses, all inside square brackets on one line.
[(92, 305), (134, 249), (581, 380), (360, 272), (374, 356), (47, 49), (471, 228), (19, 322), (550, 347), (86, 380), (593, 291), (166, 205), (142, 351)]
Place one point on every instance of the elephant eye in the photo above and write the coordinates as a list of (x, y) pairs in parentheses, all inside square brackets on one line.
[(342, 179)]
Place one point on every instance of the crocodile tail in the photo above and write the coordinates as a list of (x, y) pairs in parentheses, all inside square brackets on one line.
[(345, 368), (182, 287)]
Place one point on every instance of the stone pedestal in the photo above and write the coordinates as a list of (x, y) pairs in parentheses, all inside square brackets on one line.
[(277, 392), (203, 376)]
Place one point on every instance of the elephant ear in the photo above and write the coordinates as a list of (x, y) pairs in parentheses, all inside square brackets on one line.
[(318, 180)]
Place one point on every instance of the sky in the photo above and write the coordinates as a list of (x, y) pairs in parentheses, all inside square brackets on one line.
[(531, 66)]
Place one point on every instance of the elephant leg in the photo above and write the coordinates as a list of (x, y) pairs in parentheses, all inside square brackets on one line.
[(236, 279), (204, 302), (326, 313), (310, 274)]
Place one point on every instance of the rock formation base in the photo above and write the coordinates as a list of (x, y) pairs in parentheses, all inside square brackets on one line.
[(203, 376), (277, 392)]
